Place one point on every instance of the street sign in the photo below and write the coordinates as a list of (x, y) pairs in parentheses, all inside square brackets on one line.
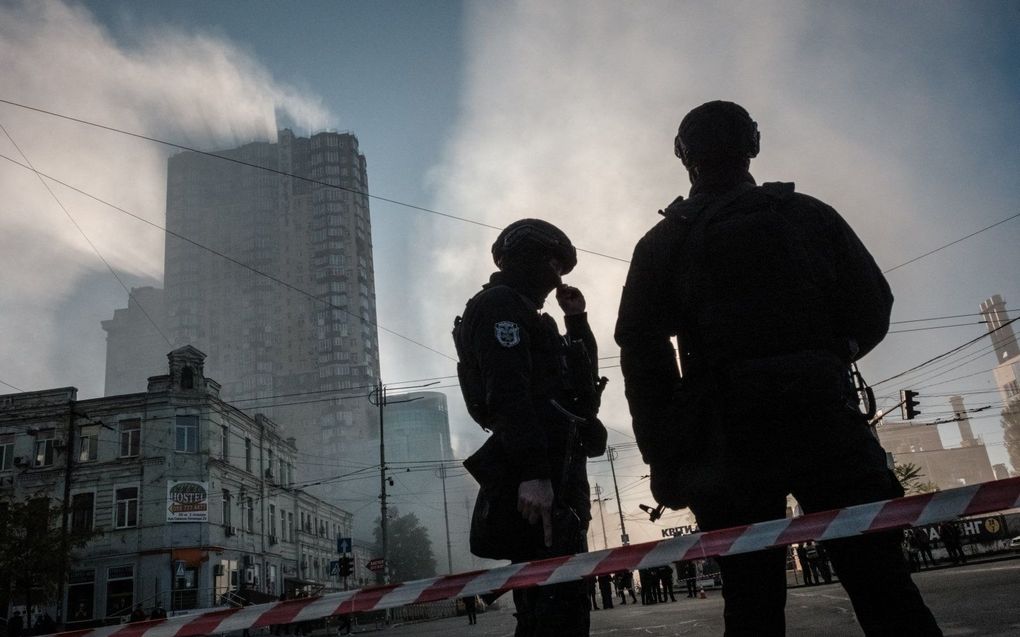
[(343, 545), (180, 568), (376, 565), (334, 568)]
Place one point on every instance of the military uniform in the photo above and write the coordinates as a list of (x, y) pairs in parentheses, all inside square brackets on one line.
[(771, 296), (515, 373)]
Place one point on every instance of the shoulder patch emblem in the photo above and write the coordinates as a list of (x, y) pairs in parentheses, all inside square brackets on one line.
[(508, 333)]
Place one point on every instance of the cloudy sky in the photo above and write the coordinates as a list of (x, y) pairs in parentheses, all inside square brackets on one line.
[(903, 116)]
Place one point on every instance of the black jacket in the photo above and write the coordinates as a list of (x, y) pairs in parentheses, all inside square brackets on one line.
[(755, 312), (519, 355)]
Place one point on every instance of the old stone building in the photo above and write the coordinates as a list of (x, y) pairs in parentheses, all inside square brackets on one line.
[(196, 499)]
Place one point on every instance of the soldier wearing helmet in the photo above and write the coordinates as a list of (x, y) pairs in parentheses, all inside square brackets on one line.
[(771, 297), (538, 393)]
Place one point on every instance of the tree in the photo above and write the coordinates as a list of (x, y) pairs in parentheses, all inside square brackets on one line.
[(32, 549), (909, 475), (408, 546)]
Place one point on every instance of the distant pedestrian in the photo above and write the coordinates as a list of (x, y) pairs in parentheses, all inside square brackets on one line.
[(911, 551), (625, 584), (688, 572), (606, 589), (137, 615), (924, 547), (158, 612), (649, 587), (666, 582), (16, 625), (950, 534), (470, 606), (590, 583), (823, 563), (805, 564)]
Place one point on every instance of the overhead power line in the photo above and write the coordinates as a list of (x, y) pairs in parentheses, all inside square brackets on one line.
[(82, 231), (944, 354), (282, 173), (252, 269), (951, 243)]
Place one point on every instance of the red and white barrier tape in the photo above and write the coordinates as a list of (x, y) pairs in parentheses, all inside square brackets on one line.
[(886, 515)]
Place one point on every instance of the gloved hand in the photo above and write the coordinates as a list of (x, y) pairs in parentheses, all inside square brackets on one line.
[(593, 437), (668, 486)]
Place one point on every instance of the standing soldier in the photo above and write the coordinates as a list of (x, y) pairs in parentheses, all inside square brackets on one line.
[(771, 296), (538, 392)]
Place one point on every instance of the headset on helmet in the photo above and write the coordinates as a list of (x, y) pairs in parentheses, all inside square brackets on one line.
[(534, 235), (715, 133)]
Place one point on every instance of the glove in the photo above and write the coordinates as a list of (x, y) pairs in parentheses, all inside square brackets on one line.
[(668, 487), (593, 437)]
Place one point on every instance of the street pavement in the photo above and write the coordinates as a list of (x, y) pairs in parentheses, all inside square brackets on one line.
[(974, 599)]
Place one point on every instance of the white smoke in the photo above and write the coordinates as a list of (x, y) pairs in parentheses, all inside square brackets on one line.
[(187, 87), (570, 109)]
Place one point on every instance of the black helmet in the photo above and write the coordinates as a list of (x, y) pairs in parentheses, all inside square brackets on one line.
[(717, 133), (534, 237)]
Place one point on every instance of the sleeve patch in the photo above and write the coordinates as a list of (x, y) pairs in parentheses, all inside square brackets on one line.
[(508, 333)]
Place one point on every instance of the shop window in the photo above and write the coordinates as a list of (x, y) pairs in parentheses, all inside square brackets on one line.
[(81, 595), (120, 589)]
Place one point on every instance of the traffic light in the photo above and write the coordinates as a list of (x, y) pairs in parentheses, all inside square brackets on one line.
[(909, 403), (346, 566)]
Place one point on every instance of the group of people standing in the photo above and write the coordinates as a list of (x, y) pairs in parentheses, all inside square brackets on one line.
[(814, 563), (770, 297), (917, 545)]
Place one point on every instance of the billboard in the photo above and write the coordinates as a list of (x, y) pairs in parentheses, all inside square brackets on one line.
[(187, 501)]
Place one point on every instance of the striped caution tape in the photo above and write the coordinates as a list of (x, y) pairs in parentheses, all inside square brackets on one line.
[(886, 515)]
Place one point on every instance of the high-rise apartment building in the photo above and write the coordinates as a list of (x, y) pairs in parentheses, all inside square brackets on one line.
[(282, 294)]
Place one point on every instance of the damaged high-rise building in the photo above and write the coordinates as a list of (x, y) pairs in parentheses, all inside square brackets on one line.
[(273, 279)]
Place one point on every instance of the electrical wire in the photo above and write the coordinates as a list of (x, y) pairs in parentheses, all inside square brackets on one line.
[(944, 354), (82, 231), (282, 173), (237, 262), (951, 243)]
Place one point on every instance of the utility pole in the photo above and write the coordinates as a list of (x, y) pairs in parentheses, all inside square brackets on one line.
[(624, 538), (65, 512), (380, 400), (378, 397), (446, 517), (602, 514)]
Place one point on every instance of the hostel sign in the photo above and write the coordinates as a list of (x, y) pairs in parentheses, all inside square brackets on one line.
[(187, 501)]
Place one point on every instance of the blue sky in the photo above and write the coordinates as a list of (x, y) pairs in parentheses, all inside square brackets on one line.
[(903, 116)]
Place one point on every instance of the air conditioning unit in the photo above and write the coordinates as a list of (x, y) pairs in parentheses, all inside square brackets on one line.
[(249, 561), (20, 461), (249, 576), (229, 530), (218, 570), (272, 539)]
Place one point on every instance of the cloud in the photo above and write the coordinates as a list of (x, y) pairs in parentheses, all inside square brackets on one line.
[(570, 109), (188, 87)]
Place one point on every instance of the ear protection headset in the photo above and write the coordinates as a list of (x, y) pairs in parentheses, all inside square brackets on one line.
[(519, 234), (717, 129)]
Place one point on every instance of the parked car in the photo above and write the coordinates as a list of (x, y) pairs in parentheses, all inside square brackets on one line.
[(1014, 544)]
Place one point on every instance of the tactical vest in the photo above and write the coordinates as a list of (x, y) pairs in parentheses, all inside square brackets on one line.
[(562, 369), (747, 284)]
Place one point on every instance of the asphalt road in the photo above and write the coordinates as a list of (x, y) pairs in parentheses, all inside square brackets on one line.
[(980, 599)]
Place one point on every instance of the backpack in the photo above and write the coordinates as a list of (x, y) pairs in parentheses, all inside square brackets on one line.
[(753, 304)]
